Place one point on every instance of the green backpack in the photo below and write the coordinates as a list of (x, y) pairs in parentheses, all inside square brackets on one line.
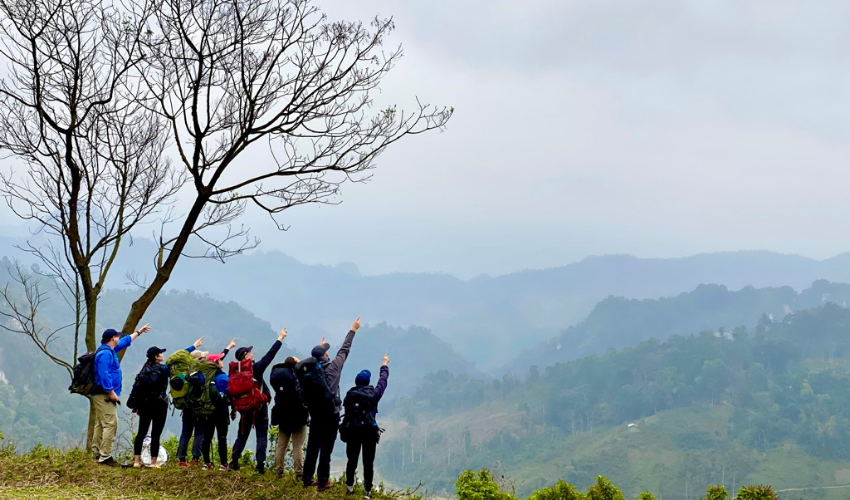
[(180, 366), (204, 395)]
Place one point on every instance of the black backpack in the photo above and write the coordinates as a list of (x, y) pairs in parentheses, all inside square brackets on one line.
[(148, 386), (314, 389), (359, 418), (83, 381)]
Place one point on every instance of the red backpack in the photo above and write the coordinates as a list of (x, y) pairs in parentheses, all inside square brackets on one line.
[(246, 392)]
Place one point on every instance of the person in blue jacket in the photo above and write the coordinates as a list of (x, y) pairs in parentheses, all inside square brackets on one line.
[(360, 428), (107, 375)]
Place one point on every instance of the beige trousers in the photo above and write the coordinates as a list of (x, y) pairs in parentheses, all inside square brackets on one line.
[(105, 426), (297, 439)]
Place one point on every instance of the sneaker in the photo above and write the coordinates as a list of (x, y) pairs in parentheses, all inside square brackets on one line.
[(108, 461), (324, 486), (208, 466), (194, 463), (154, 466), (349, 489), (234, 466), (368, 494), (137, 465), (183, 465), (224, 467), (260, 470)]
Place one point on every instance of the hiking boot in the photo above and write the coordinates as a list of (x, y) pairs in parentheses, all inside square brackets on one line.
[(108, 461), (208, 466), (260, 470), (234, 466), (184, 465)]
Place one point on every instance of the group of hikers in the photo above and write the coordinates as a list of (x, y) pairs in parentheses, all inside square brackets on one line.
[(306, 394)]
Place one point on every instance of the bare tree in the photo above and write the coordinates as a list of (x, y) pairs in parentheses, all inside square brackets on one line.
[(73, 120), (230, 76), (98, 95)]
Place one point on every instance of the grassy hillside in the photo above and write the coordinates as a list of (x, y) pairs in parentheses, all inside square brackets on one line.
[(48, 474)]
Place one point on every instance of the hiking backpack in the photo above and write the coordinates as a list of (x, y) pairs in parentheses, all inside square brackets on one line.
[(203, 394), (181, 365), (359, 418), (83, 381), (145, 388), (314, 389), (246, 393)]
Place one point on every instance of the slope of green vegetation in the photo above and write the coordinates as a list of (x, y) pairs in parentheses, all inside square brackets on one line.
[(54, 475), (767, 405), (618, 322)]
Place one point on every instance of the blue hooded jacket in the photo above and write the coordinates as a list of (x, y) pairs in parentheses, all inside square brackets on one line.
[(107, 369)]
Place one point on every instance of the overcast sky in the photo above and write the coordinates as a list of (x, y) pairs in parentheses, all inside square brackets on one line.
[(659, 129)]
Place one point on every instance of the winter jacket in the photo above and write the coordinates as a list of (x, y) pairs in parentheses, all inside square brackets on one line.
[(107, 369), (376, 392), (289, 412), (333, 370), (261, 365)]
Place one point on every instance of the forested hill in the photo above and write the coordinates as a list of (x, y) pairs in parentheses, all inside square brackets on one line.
[(484, 314), (764, 405), (619, 322)]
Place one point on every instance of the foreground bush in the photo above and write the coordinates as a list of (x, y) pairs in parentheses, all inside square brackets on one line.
[(481, 486)]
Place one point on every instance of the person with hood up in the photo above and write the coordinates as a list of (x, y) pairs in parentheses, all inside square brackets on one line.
[(289, 415), (105, 401), (319, 378), (359, 428), (258, 419)]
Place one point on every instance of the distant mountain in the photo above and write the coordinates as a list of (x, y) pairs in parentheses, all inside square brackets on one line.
[(617, 322), (492, 317)]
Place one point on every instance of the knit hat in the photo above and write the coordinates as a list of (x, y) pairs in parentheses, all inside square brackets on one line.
[(109, 335), (363, 378)]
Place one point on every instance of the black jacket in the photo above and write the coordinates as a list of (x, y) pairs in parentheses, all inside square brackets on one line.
[(261, 365), (289, 412)]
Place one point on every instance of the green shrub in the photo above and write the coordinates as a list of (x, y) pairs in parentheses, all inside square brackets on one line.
[(604, 490), (716, 493), (759, 492), (646, 496), (479, 486), (561, 491)]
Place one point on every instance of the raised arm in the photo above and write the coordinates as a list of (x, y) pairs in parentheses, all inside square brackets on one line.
[(261, 365), (381, 386), (334, 368)]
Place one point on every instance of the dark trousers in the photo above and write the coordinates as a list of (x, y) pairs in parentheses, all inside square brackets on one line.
[(152, 417), (218, 424), (260, 421), (320, 446), (191, 425), (352, 451)]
